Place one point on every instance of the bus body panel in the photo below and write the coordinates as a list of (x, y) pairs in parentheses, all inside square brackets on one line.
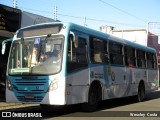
[(57, 96), (98, 72), (36, 90), (152, 81), (10, 97), (117, 79), (76, 87)]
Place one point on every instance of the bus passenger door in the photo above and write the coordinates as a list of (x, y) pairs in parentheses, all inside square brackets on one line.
[(77, 79)]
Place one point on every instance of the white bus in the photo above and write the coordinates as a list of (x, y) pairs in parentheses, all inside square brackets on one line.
[(64, 63)]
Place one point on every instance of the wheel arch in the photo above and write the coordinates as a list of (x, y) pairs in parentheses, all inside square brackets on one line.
[(97, 85), (142, 82)]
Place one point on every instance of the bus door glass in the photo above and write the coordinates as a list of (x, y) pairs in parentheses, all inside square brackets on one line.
[(77, 60)]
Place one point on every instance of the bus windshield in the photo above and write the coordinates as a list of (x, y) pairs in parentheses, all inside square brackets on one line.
[(38, 55)]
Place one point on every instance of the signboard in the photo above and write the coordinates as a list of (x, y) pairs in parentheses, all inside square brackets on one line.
[(10, 18)]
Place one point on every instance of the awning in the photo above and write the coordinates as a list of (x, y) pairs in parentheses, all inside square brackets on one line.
[(6, 34)]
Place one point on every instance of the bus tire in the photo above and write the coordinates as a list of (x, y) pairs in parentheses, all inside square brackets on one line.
[(141, 92), (44, 107), (93, 99)]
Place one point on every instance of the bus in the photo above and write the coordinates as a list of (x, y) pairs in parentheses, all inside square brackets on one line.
[(64, 63)]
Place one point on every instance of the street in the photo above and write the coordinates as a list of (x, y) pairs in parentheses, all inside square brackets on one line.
[(123, 108)]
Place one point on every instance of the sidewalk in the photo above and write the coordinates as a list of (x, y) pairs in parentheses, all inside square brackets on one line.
[(5, 106)]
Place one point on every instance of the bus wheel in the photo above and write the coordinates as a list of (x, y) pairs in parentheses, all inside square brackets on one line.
[(141, 92), (92, 103), (44, 107)]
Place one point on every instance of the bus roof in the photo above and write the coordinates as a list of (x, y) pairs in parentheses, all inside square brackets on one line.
[(110, 37), (85, 30)]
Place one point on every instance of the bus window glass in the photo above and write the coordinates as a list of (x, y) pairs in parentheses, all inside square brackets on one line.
[(151, 61), (98, 51), (129, 56), (141, 60), (36, 56), (116, 54)]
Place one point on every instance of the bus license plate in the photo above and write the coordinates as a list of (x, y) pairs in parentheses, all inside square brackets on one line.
[(29, 96)]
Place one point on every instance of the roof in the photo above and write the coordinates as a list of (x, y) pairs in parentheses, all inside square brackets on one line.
[(6, 34)]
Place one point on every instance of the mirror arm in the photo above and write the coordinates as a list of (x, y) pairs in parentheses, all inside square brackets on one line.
[(3, 48), (75, 39)]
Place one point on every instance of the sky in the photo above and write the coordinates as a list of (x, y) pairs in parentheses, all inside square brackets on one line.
[(121, 14)]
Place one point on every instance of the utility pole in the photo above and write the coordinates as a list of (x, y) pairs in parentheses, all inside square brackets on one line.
[(85, 21), (14, 3), (55, 13)]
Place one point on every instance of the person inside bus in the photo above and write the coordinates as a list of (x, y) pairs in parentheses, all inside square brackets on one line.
[(42, 58), (34, 60), (57, 57)]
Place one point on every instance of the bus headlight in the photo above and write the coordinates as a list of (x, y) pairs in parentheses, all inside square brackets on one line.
[(53, 86), (9, 85)]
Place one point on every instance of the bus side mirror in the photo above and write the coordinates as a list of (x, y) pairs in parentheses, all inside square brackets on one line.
[(74, 39), (76, 42), (3, 48)]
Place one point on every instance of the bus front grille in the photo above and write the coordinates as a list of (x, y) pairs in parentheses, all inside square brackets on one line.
[(30, 90), (30, 86)]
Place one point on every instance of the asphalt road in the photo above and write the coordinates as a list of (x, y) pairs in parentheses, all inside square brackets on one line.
[(121, 109)]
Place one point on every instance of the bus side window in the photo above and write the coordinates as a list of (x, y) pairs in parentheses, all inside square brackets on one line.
[(77, 57), (116, 54), (141, 59), (151, 61), (129, 56), (98, 50)]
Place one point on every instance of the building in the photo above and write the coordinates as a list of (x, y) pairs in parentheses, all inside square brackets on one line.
[(12, 19)]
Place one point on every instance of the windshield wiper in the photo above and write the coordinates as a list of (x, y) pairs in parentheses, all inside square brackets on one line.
[(41, 47), (49, 35)]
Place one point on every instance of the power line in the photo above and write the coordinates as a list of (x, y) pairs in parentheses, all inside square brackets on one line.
[(123, 11), (36, 10), (88, 19), (98, 20), (118, 23), (71, 16)]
